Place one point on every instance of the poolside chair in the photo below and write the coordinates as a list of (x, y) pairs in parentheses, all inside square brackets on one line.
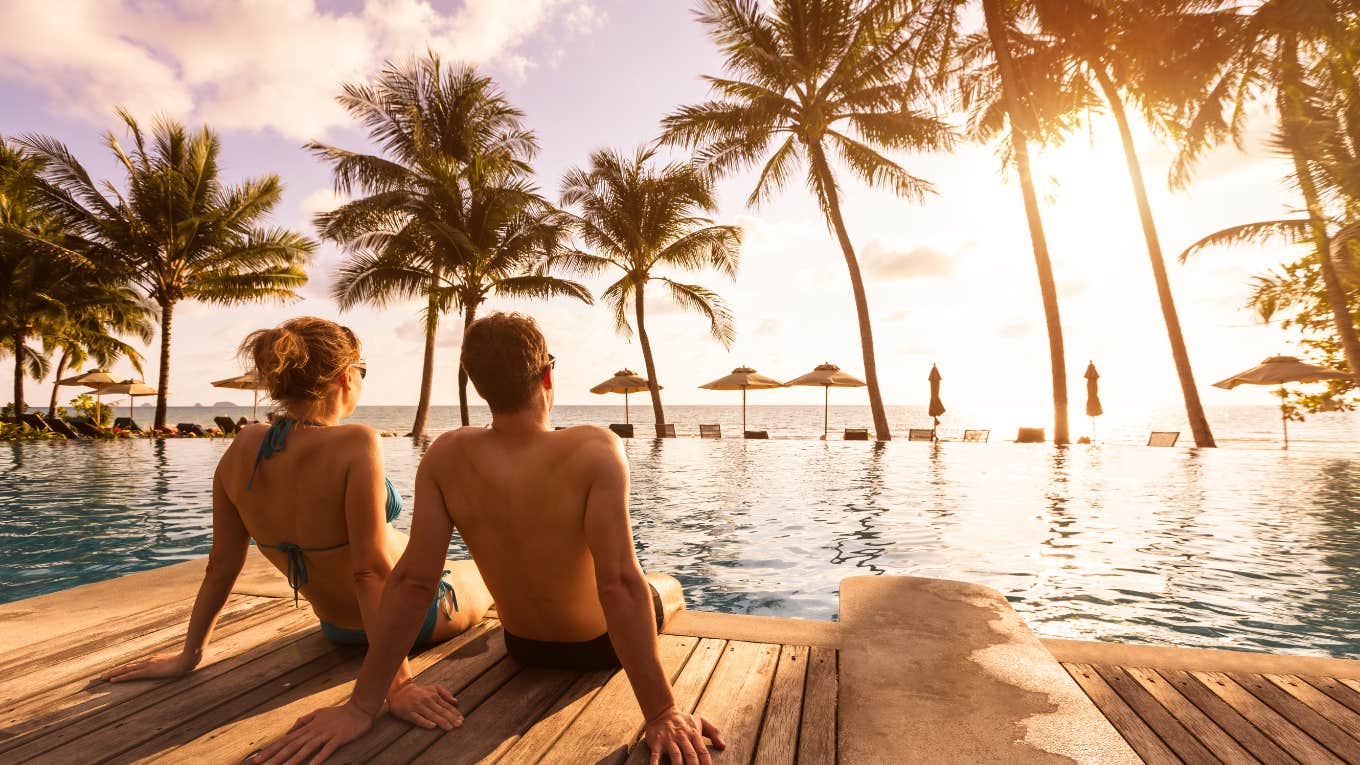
[(1030, 436), (856, 434), (128, 424), (35, 421), (920, 434), (710, 431), (976, 436), (665, 431), (226, 424), (63, 427), (190, 429), (757, 434), (622, 431), (85, 427), (1163, 437)]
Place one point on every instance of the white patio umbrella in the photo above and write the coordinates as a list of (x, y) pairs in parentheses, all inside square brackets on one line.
[(95, 379), (1279, 370), (743, 379), (624, 381), (828, 376), (248, 381), (131, 389)]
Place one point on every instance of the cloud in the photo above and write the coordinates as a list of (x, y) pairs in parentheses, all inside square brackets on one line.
[(1015, 329), (448, 335), (767, 328), (919, 262), (252, 65)]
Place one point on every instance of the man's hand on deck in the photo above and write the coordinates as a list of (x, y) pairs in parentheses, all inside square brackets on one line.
[(319, 733), (160, 665), (680, 737), (425, 705)]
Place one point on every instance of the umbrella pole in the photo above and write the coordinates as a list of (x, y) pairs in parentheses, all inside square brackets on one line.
[(826, 408), (743, 411), (625, 409), (1284, 418)]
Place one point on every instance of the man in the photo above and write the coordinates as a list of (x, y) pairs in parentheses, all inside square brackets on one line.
[(545, 516)]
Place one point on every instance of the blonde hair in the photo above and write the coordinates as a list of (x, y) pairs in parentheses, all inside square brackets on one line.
[(301, 358)]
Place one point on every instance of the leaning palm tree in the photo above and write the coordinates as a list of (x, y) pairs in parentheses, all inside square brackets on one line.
[(641, 219), (96, 321), (824, 78), (178, 232)]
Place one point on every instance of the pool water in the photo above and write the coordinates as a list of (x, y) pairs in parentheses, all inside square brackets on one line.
[(1253, 549)]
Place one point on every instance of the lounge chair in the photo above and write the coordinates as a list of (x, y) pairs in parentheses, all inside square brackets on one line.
[(622, 431), (35, 421), (710, 431), (976, 436), (856, 434), (665, 431), (190, 429), (63, 427), (85, 427), (1164, 437), (920, 434), (128, 424), (226, 424), (757, 434), (1030, 436)]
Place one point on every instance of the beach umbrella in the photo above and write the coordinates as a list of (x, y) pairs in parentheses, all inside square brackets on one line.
[(828, 376), (96, 379), (1093, 409), (248, 381), (743, 379), (624, 381), (1279, 370), (936, 405), (131, 389)]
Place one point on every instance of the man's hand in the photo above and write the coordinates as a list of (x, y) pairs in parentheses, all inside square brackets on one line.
[(681, 737), (321, 732), (425, 705), (160, 665)]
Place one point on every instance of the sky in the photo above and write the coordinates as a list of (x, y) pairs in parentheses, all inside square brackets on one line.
[(951, 281)]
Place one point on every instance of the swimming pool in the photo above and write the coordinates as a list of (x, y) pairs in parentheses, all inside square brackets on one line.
[(1229, 548)]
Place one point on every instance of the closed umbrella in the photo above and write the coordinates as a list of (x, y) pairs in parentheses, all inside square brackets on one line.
[(131, 389), (743, 379), (249, 381), (96, 379), (1093, 409), (828, 376), (1279, 370), (936, 405), (624, 381)]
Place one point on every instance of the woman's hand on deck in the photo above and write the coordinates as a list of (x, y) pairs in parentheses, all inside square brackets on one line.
[(428, 706), (316, 736), (160, 665), (680, 737)]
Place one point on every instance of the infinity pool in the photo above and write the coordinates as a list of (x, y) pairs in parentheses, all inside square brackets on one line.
[(1242, 548)]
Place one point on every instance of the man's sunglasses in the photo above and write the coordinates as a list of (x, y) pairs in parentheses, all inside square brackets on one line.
[(552, 363)]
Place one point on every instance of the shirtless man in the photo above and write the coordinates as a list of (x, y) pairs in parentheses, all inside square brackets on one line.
[(545, 516)]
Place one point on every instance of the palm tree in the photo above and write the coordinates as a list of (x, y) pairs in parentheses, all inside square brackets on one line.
[(447, 216), (94, 325), (824, 78), (640, 219), (178, 233)]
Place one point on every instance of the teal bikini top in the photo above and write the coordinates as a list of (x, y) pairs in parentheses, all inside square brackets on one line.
[(297, 564)]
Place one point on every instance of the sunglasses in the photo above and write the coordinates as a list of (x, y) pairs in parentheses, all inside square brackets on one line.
[(362, 366), (552, 363)]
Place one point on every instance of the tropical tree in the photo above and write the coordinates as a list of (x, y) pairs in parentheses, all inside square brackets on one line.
[(448, 215), (94, 326), (823, 79), (176, 232), (640, 219)]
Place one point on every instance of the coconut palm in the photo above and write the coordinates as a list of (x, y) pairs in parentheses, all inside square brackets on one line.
[(447, 216), (823, 78), (93, 329), (642, 219), (177, 232)]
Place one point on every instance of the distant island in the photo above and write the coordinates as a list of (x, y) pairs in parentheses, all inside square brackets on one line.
[(224, 403)]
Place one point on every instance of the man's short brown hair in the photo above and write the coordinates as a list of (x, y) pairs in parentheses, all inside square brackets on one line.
[(505, 356)]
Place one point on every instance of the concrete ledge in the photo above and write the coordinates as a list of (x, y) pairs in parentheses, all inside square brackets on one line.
[(1199, 659), (935, 671), (755, 629)]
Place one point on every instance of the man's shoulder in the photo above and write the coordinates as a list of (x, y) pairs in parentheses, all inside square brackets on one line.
[(593, 434), (453, 440)]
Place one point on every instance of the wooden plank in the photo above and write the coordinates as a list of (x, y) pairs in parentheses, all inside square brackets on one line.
[(1171, 732), (1337, 690), (779, 733), (1198, 659), (1209, 733), (756, 629), (687, 688), (1338, 714), (1299, 713), (1270, 722), (736, 695), (545, 731), (1226, 717), (96, 636), (496, 724), (817, 736), (611, 722), (1143, 740), (1349, 683)]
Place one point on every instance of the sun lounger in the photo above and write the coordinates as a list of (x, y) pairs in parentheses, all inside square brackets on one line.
[(976, 436), (856, 434), (35, 421), (622, 431), (920, 434), (226, 424), (665, 431), (757, 434), (1030, 436), (128, 424), (189, 428), (85, 427), (63, 427), (710, 431), (1164, 437)]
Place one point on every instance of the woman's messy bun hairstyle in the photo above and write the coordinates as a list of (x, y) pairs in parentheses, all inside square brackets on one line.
[(301, 358)]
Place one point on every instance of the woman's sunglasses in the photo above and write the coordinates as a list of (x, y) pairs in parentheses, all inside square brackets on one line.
[(362, 366)]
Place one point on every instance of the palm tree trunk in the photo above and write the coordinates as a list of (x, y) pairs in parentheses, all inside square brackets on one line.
[(996, 31), (18, 340), (469, 316), (653, 387), (1194, 410), (866, 333), (61, 370), (426, 369), (163, 382)]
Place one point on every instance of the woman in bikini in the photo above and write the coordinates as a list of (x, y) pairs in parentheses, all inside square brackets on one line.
[(312, 494)]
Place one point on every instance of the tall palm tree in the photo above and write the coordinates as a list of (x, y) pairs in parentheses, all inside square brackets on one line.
[(446, 216), (640, 219), (824, 78), (93, 329), (178, 232)]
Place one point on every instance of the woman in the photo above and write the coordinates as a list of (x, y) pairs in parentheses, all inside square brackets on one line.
[(312, 494)]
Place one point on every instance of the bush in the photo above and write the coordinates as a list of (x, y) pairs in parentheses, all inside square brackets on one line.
[(99, 414)]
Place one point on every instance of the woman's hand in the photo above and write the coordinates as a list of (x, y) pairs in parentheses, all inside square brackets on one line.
[(160, 665), (681, 737), (425, 705), (320, 733)]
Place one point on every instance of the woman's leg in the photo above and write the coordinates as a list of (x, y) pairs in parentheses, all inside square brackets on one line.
[(473, 600)]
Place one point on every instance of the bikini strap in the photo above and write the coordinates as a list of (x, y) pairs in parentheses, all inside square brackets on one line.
[(297, 562), (445, 587), (273, 442)]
